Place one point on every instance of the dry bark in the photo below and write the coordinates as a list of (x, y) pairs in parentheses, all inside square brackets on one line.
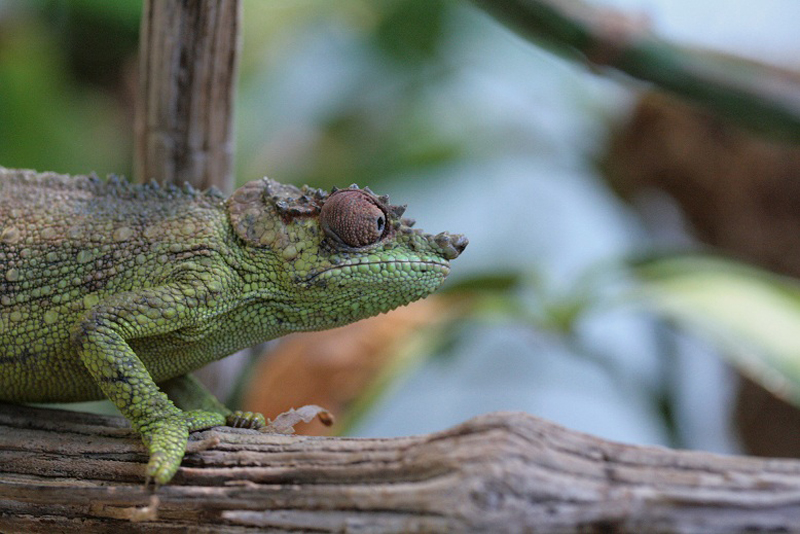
[(502, 472), (184, 118)]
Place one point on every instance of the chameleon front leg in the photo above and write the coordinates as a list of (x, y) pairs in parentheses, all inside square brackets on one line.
[(189, 394), (100, 340)]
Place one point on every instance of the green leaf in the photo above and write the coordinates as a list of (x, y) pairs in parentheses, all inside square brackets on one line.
[(753, 315)]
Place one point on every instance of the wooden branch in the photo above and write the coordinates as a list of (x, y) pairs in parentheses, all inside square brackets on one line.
[(184, 113), (758, 96), (510, 472)]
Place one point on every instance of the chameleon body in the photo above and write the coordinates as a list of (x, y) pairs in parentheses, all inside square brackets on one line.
[(114, 290)]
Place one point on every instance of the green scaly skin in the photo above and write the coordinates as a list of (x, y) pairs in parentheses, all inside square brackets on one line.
[(108, 289)]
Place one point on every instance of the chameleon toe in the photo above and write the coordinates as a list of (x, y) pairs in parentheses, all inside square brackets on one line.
[(166, 441), (240, 419)]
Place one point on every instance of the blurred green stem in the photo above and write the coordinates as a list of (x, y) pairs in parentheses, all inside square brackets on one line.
[(754, 95)]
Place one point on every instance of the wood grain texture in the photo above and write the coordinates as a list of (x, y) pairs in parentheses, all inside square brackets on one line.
[(502, 472), (184, 118)]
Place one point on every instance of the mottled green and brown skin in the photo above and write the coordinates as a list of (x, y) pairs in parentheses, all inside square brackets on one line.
[(108, 289)]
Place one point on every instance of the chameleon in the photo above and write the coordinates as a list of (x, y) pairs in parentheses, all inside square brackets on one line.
[(110, 289)]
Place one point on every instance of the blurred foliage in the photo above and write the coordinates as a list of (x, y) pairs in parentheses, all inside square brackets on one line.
[(374, 119), (412, 31), (67, 82), (750, 313), (54, 112)]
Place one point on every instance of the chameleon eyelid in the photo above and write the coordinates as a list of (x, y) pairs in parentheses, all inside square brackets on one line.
[(354, 218)]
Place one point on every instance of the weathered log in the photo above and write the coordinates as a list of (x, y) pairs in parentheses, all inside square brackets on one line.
[(503, 472)]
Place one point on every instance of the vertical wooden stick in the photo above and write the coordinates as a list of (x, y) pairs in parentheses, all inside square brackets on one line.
[(184, 113)]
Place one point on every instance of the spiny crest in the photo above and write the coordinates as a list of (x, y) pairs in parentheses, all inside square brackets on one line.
[(114, 185), (260, 210), (253, 206), (291, 201)]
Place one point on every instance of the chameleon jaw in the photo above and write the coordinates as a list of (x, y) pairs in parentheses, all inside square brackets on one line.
[(378, 267)]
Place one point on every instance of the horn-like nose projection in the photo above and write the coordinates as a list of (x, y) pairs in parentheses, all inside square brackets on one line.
[(451, 245)]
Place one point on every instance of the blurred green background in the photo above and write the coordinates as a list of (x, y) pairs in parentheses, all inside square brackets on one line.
[(480, 133)]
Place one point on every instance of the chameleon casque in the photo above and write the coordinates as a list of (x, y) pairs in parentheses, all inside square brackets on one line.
[(115, 290)]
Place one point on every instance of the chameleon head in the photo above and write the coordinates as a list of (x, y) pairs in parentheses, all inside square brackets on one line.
[(349, 252)]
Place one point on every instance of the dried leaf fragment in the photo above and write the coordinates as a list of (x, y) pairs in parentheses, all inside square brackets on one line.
[(284, 423)]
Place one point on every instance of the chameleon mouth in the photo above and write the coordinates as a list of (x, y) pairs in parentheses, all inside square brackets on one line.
[(378, 267)]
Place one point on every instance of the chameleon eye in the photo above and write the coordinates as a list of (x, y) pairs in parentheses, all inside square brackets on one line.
[(352, 217)]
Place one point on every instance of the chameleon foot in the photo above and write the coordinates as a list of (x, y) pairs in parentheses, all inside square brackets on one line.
[(240, 419), (166, 440)]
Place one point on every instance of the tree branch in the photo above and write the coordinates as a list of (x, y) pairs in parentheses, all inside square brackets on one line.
[(754, 95), (73, 472), (184, 117)]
